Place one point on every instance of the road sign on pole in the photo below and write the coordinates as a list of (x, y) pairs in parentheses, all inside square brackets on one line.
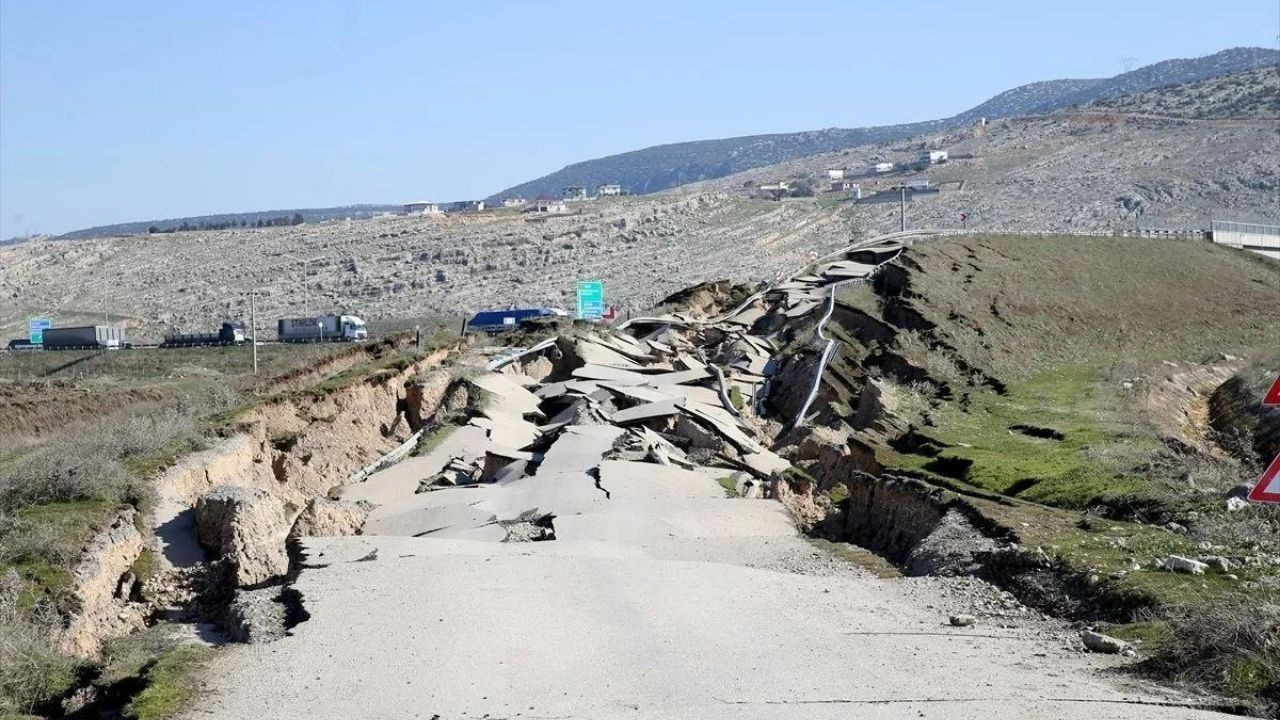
[(1268, 488), (1272, 398), (36, 328), (590, 299)]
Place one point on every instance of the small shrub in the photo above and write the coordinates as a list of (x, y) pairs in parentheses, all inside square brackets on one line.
[(730, 487), (1231, 646), (735, 398), (33, 675)]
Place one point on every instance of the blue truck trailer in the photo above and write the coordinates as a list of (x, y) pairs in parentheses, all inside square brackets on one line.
[(496, 321)]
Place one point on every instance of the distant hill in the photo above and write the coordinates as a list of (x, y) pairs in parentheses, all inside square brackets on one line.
[(665, 166), (243, 219), (1249, 94)]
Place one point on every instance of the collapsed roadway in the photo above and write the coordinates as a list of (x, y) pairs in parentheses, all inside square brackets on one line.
[(662, 582)]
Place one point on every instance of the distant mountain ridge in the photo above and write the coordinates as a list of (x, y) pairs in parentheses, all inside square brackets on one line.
[(355, 212), (665, 166)]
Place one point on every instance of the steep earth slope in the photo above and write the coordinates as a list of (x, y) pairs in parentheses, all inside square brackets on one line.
[(1043, 413), (664, 166)]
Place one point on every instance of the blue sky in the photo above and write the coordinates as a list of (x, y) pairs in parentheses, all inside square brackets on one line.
[(117, 111)]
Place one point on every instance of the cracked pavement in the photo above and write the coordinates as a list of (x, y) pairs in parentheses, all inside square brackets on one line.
[(659, 597)]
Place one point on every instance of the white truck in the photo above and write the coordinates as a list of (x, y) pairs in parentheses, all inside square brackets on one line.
[(324, 328)]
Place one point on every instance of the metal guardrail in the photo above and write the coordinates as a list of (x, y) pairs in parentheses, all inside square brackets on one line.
[(509, 358), (389, 459)]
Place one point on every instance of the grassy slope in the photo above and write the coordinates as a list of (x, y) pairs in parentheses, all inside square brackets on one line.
[(1045, 302), (1068, 324)]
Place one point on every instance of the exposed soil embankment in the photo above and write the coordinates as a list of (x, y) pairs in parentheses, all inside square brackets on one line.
[(224, 515), (925, 529), (104, 588), (1179, 403), (1236, 412)]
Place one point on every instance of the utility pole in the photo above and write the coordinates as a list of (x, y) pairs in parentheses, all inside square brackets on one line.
[(306, 306), (902, 208), (253, 323)]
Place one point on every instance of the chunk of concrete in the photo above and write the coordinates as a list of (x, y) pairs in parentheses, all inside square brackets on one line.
[(247, 527), (323, 517), (647, 411)]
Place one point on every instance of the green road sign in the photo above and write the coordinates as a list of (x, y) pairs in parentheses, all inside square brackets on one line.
[(590, 299), (36, 328)]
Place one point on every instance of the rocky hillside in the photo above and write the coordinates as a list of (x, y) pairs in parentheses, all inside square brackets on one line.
[(1068, 172), (1251, 94), (410, 266), (664, 166), (1072, 170)]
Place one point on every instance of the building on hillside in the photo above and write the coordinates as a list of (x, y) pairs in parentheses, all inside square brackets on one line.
[(422, 208), (546, 207), (773, 191), (575, 192), (467, 206), (835, 174), (880, 167), (514, 202), (933, 157), (607, 190), (840, 185), (1261, 239)]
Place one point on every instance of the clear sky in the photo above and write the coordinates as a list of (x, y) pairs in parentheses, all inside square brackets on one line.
[(118, 111)]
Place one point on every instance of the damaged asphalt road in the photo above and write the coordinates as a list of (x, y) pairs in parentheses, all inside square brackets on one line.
[(648, 593)]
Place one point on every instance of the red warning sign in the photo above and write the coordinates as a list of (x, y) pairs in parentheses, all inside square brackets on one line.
[(1268, 488), (1272, 397)]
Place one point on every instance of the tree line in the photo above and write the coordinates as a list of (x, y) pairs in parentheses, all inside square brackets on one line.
[(282, 221)]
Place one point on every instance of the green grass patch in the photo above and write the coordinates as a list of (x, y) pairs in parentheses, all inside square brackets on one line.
[(735, 398), (730, 487), (432, 440), (1093, 463), (838, 493), (42, 542), (152, 463), (171, 682), (1149, 634)]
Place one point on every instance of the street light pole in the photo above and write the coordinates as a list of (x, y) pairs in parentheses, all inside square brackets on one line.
[(253, 323)]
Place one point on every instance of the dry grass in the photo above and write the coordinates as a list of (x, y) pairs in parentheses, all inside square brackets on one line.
[(1231, 646), (100, 459), (31, 671), (1021, 305)]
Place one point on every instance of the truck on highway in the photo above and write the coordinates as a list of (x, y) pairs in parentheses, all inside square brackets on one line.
[(496, 321), (324, 328), (228, 334), (107, 337)]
